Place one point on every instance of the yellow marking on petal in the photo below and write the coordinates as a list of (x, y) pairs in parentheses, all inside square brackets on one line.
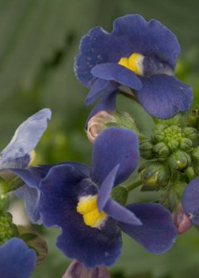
[(124, 62), (87, 207), (134, 62), (32, 157)]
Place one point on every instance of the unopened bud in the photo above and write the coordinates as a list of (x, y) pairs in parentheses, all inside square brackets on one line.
[(161, 150), (77, 270), (179, 160), (155, 174), (195, 160), (146, 149), (98, 123), (181, 220), (192, 134), (185, 144), (7, 228)]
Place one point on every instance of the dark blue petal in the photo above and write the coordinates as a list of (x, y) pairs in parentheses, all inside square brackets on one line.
[(117, 73), (138, 35), (107, 104), (120, 213), (31, 197), (114, 146), (190, 200), (163, 96), (106, 187), (58, 188), (61, 190), (101, 88), (158, 233), (25, 140), (131, 33), (16, 259)]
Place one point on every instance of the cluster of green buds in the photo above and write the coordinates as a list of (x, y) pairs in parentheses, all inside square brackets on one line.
[(172, 149), (7, 228)]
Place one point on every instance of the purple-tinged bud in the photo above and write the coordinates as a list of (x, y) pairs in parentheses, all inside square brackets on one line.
[(98, 123), (77, 270), (181, 219)]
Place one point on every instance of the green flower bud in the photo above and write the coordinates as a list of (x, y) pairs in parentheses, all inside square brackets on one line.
[(185, 144), (195, 160), (4, 203), (179, 160), (177, 120), (192, 134), (161, 150), (155, 174), (193, 117), (146, 149), (173, 144), (119, 194), (7, 228)]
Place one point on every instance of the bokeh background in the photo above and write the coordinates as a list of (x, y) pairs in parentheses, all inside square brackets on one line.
[(38, 42)]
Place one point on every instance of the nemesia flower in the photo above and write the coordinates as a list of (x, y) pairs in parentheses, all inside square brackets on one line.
[(19, 153), (138, 55), (77, 199), (16, 259)]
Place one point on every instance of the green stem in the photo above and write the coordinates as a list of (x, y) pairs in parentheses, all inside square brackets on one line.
[(134, 185)]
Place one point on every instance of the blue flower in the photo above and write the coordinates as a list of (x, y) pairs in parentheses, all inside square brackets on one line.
[(190, 201), (138, 55), (16, 259), (77, 199), (20, 151)]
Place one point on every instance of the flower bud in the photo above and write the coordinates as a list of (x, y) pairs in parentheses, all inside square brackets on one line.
[(161, 150), (77, 270), (7, 228), (185, 144), (155, 174), (192, 134), (195, 160), (179, 160), (146, 149), (98, 123), (181, 220)]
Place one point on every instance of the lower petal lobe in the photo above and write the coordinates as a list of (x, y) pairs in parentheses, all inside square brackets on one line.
[(158, 233), (163, 96)]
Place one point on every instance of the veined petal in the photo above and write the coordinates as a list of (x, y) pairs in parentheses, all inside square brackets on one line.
[(16, 259), (190, 201), (25, 139), (163, 96), (117, 73), (114, 146), (158, 232)]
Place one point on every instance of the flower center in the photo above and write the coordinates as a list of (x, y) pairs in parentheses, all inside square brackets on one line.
[(134, 62), (87, 207)]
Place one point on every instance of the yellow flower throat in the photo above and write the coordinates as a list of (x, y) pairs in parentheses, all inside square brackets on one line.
[(87, 207), (134, 62)]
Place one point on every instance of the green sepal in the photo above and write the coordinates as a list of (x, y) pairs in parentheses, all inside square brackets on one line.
[(195, 160), (11, 185), (146, 149), (4, 203)]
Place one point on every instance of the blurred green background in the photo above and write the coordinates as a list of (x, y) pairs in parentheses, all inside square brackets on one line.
[(38, 42)]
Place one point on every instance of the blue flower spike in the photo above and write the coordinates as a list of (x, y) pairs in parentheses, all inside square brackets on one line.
[(139, 55), (79, 203), (16, 259)]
